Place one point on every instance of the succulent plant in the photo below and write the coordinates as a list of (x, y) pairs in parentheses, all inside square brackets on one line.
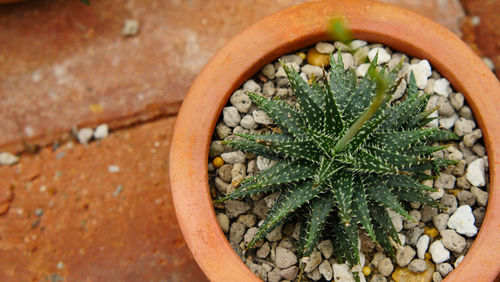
[(345, 155)]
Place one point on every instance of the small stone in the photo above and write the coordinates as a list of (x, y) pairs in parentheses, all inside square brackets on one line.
[(233, 157), (241, 102), (326, 248), (324, 47), (378, 278), (481, 196), (260, 209), (235, 208), (445, 108), (264, 251), (224, 172), (250, 234), (367, 245), (230, 116), (251, 86), (400, 91), (457, 100), (341, 273), (385, 266), (459, 169), (238, 173), (268, 89), (471, 138), (274, 276), (130, 28), (236, 233), (466, 113), (113, 168), (377, 258), (361, 55), (416, 215), (444, 268), (422, 245), (458, 261), (248, 122), (342, 47), (463, 183), (436, 277), (312, 261), (326, 270), (479, 216), (314, 275), (312, 71), (222, 130), (466, 198), (275, 235), (462, 221), (449, 202), (223, 221), (479, 150), (464, 126), (362, 69), (295, 59), (261, 117), (397, 220), (445, 181), (405, 275), (438, 194), (438, 252), (442, 87), (417, 265), (475, 173), (285, 258), (84, 135), (290, 273), (248, 220), (356, 44), (440, 221), (101, 131), (269, 71), (383, 56), (413, 234), (421, 71), (452, 241), (317, 59), (405, 255), (428, 213), (8, 159)]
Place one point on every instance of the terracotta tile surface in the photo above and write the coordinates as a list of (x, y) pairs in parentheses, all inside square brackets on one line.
[(97, 225), (64, 64)]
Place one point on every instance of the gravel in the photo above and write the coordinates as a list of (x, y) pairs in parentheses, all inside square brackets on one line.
[(446, 232), (84, 135), (101, 131), (8, 159)]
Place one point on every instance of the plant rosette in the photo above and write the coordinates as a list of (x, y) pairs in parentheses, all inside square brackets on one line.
[(306, 25)]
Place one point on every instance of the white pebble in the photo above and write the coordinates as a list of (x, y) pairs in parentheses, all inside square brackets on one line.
[(233, 157), (241, 101), (101, 131), (448, 122), (421, 71), (383, 56), (442, 87), (326, 270), (84, 135), (356, 44), (438, 252), (462, 221), (130, 28), (248, 122), (362, 69), (260, 117), (397, 220), (341, 273), (113, 168), (230, 116), (311, 71), (7, 158), (285, 258), (422, 245), (475, 173), (252, 86), (324, 47)]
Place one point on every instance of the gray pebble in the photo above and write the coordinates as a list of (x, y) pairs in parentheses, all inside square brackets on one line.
[(466, 198), (236, 233), (416, 215), (274, 275), (466, 113), (248, 122), (452, 241), (463, 183), (444, 268), (222, 130), (405, 255), (457, 100), (285, 258), (445, 181), (275, 235), (268, 89), (249, 236), (248, 220), (238, 173), (221, 185), (264, 251), (296, 59), (413, 234), (312, 71), (440, 221), (436, 277), (224, 172), (260, 209), (130, 27), (290, 273), (223, 221), (233, 157), (260, 117), (241, 101), (445, 107), (481, 196), (230, 116), (417, 265), (326, 248), (325, 269), (314, 275), (385, 266), (378, 278), (101, 131), (479, 216), (471, 138), (397, 220), (449, 202), (235, 208), (478, 149), (428, 213), (269, 71), (464, 126), (251, 86), (312, 261)]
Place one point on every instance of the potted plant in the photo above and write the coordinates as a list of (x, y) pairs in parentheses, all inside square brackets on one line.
[(290, 30)]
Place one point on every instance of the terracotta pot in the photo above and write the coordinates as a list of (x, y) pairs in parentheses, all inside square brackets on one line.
[(295, 28)]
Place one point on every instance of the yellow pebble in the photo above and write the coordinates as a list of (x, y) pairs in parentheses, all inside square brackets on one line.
[(317, 59), (218, 162), (302, 55), (431, 232), (367, 270), (428, 256)]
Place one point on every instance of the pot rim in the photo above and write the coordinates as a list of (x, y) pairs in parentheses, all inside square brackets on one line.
[(265, 41)]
